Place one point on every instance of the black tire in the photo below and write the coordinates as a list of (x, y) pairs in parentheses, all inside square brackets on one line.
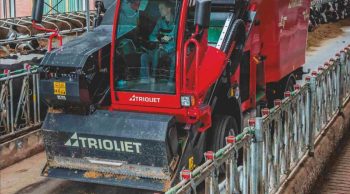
[(276, 90), (223, 126), (291, 81)]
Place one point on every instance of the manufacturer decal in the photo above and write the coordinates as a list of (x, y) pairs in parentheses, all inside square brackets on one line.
[(103, 144), (135, 98)]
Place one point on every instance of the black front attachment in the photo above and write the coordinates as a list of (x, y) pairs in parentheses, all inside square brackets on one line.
[(130, 148)]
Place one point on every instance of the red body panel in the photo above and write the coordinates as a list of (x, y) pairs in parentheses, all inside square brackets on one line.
[(280, 37), (283, 34)]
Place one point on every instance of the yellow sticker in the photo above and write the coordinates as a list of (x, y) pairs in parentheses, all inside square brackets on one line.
[(191, 164), (59, 88)]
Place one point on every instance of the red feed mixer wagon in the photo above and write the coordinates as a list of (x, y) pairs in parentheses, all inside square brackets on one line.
[(159, 82)]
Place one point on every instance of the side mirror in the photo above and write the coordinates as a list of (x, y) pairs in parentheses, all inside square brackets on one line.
[(202, 14), (37, 11)]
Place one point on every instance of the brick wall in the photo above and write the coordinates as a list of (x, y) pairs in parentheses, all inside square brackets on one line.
[(24, 7)]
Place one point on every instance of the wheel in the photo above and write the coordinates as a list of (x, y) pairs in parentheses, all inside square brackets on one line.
[(276, 90), (289, 86), (223, 126)]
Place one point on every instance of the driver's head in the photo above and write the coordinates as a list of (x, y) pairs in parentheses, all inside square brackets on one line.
[(134, 4), (165, 8)]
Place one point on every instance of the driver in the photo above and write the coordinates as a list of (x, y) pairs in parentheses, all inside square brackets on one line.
[(163, 35)]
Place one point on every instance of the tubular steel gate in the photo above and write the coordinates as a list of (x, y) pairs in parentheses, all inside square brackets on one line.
[(274, 143), (19, 100)]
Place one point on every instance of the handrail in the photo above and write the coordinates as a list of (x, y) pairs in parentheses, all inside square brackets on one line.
[(274, 144)]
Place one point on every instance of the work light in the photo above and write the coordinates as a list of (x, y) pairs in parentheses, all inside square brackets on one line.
[(186, 101)]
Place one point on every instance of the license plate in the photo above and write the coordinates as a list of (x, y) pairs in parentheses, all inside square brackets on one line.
[(59, 88)]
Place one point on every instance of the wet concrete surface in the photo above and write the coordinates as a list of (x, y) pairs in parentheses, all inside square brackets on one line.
[(24, 178), (70, 187), (319, 55)]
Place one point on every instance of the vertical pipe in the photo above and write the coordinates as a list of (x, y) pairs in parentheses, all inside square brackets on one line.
[(235, 174), (265, 158), (83, 4), (76, 2), (11, 106), (207, 185), (340, 80), (294, 134), (4, 9), (276, 151), (38, 95), (346, 72), (289, 129), (12, 7), (246, 167), (34, 98), (87, 9), (229, 175), (333, 87), (21, 100), (312, 111), (7, 104), (245, 164), (67, 6), (28, 100), (50, 6), (256, 162)]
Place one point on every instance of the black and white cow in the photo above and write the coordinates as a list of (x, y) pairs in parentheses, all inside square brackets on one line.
[(328, 12)]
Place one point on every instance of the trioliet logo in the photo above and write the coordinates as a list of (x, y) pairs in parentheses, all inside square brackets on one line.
[(103, 144), (135, 98)]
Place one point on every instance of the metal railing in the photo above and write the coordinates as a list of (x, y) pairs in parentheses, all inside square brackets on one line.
[(64, 15), (19, 109), (72, 22), (275, 143)]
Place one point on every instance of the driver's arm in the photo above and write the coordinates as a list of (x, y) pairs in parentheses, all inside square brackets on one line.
[(170, 47), (154, 35)]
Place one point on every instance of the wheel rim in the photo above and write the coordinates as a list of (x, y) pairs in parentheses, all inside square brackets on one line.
[(229, 131)]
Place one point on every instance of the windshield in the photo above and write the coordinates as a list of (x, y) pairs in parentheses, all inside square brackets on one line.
[(146, 45)]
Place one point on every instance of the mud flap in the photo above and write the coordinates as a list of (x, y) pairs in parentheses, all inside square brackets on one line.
[(114, 148)]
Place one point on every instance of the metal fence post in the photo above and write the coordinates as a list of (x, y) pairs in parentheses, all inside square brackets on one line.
[(257, 147), (11, 106), (38, 96), (312, 116), (342, 76), (347, 71), (211, 184), (34, 99)]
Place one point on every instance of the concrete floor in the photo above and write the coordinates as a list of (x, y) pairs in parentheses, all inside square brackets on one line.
[(319, 55), (24, 178)]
